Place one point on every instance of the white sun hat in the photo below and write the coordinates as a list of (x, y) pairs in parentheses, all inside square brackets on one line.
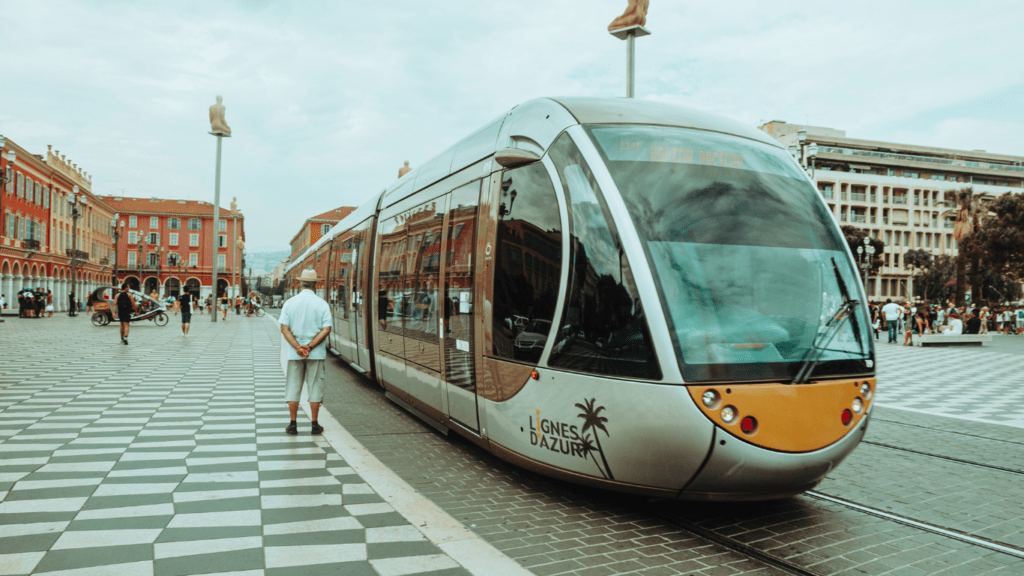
[(308, 276)]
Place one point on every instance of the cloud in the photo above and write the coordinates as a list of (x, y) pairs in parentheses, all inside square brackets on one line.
[(327, 99)]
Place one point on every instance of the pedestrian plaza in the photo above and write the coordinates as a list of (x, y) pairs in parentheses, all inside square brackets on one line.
[(168, 457)]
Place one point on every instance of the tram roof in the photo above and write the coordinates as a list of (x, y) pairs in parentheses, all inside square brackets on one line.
[(591, 110), (534, 125)]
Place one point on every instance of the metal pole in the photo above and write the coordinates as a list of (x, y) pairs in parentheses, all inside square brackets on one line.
[(216, 228), (630, 62), (74, 248), (234, 253)]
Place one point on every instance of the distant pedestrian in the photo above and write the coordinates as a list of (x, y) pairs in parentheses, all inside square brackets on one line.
[(184, 303), (984, 317), (305, 324), (49, 303), (225, 303), (209, 304), (72, 302), (891, 314), (125, 308)]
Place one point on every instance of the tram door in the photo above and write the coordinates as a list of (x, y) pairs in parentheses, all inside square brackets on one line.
[(359, 260), (459, 284)]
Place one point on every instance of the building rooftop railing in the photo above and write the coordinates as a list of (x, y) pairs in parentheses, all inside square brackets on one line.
[(915, 158)]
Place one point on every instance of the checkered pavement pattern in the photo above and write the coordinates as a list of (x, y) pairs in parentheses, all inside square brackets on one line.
[(969, 383), (168, 457)]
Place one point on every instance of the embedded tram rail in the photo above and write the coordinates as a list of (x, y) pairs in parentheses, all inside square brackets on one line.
[(553, 527)]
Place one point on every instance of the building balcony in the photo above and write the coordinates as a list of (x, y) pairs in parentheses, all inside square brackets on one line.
[(859, 197), (899, 199), (861, 218), (30, 244), (827, 194), (77, 254), (948, 224), (104, 261)]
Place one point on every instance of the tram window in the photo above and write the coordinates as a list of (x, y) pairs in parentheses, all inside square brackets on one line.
[(603, 327), (391, 267), (528, 222)]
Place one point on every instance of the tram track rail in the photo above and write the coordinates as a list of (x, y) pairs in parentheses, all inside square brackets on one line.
[(944, 431), (986, 543), (942, 457)]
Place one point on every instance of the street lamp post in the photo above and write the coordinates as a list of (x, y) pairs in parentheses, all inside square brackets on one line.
[(866, 254), (805, 154), (142, 253), (117, 236), (239, 245), (220, 129), (630, 34), (73, 201)]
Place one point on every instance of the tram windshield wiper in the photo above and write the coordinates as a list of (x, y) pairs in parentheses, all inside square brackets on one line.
[(845, 312)]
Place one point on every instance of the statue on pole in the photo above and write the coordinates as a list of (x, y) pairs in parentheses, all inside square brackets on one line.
[(404, 169), (234, 205), (217, 123), (635, 15)]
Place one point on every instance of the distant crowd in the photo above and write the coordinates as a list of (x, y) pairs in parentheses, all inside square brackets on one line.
[(32, 303), (922, 318)]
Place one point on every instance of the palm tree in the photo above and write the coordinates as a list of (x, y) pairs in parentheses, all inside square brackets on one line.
[(593, 420), (971, 213), (587, 445)]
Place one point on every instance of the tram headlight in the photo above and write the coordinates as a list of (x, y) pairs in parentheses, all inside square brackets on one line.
[(865, 390), (729, 414), (858, 405), (710, 399)]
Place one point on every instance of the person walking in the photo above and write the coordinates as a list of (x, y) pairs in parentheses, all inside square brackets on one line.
[(225, 303), (184, 304), (984, 317), (125, 308), (891, 311), (49, 303), (71, 303), (305, 323)]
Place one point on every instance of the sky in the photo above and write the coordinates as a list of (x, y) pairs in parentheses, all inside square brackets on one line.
[(327, 99)]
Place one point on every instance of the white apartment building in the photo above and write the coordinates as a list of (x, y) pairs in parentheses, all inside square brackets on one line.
[(901, 194)]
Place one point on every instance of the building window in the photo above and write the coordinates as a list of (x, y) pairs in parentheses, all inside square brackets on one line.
[(20, 186), (324, 229), (133, 221), (174, 239), (193, 239), (223, 242), (193, 259), (220, 261), (133, 237), (154, 222), (174, 223), (46, 197), (172, 259), (153, 238), (195, 224), (223, 225), (131, 258)]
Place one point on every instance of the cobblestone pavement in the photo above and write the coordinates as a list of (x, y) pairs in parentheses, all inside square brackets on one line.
[(168, 457), (148, 415), (556, 528), (981, 384)]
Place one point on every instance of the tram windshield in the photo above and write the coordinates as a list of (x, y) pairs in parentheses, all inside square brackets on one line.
[(741, 249)]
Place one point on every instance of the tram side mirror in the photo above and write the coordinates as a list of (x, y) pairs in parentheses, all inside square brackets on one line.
[(515, 157)]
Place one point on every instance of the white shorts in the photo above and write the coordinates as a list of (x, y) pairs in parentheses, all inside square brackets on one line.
[(301, 372)]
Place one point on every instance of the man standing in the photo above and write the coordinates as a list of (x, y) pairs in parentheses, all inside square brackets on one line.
[(305, 324), (185, 304), (973, 324), (125, 307), (892, 313), (71, 303)]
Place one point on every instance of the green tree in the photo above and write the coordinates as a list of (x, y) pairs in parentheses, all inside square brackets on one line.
[(855, 239), (937, 280), (1002, 237), (917, 261), (971, 213)]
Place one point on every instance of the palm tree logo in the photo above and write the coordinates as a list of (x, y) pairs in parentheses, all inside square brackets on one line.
[(593, 421)]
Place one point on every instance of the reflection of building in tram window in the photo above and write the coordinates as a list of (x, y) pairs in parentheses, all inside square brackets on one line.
[(604, 329), (528, 263)]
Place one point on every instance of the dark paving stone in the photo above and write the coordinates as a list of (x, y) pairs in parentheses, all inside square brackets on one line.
[(28, 543), (316, 538), (87, 557), (282, 515), (137, 523), (345, 568), (219, 505), (99, 502), (398, 549), (188, 534)]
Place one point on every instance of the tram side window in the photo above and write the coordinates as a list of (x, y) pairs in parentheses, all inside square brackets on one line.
[(391, 265), (528, 263), (423, 271), (603, 326)]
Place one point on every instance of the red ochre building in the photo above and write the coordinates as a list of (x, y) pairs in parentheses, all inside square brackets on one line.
[(36, 227), (313, 228), (166, 244)]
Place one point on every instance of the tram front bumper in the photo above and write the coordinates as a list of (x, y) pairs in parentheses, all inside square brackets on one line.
[(738, 470)]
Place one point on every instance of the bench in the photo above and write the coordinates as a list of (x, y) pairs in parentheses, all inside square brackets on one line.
[(960, 340)]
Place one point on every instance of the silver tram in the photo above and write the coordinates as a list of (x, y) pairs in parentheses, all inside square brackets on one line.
[(617, 293)]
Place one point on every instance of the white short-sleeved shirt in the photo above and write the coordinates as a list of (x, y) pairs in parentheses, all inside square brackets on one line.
[(892, 311), (306, 314)]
